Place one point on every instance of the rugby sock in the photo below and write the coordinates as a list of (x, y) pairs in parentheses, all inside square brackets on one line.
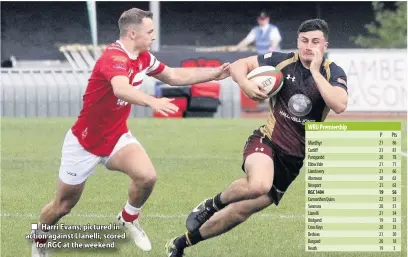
[(130, 213), (42, 235), (181, 242), (194, 237), (188, 239), (215, 203)]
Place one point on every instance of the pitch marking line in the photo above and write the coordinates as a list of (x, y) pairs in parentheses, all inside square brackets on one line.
[(151, 216)]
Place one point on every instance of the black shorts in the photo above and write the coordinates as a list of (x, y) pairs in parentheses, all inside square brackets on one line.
[(286, 167)]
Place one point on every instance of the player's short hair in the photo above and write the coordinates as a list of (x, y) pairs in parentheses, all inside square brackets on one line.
[(315, 24), (132, 16)]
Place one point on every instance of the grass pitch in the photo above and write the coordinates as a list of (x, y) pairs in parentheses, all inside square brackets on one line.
[(194, 158)]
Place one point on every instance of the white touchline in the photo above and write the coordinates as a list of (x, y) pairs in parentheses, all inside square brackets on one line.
[(152, 216)]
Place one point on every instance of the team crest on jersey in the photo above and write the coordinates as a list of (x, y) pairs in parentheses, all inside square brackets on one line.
[(299, 105), (119, 66), (342, 81)]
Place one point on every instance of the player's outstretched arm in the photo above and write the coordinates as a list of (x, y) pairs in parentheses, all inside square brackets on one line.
[(239, 70), (336, 98), (188, 76), (124, 91)]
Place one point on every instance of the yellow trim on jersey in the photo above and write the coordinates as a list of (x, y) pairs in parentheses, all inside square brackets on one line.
[(267, 129), (188, 238), (326, 66), (325, 112), (286, 62)]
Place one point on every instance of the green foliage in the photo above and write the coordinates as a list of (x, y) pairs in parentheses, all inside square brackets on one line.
[(389, 30)]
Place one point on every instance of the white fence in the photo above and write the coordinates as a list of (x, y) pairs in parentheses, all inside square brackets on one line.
[(58, 93), (377, 82)]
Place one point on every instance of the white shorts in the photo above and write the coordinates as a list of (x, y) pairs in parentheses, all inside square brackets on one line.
[(77, 164)]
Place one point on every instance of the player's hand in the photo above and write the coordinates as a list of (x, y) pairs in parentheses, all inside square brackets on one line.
[(254, 91), (164, 106), (223, 71), (316, 61)]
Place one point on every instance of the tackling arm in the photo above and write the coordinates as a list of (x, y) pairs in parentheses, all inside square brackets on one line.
[(188, 76)]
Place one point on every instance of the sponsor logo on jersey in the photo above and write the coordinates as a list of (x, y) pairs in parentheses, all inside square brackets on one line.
[(267, 55), (299, 105), (121, 102)]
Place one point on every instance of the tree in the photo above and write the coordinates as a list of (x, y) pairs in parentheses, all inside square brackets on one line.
[(389, 30)]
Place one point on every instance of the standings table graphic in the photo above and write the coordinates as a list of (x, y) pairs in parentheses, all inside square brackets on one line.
[(353, 186)]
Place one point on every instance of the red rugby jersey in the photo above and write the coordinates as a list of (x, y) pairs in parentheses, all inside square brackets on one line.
[(103, 118)]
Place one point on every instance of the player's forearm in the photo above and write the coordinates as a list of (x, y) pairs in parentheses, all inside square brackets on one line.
[(134, 96), (238, 71), (188, 76), (335, 101)]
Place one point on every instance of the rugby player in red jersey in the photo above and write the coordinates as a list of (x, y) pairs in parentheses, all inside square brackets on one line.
[(101, 136)]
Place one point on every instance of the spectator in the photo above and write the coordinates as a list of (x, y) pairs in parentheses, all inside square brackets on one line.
[(266, 36)]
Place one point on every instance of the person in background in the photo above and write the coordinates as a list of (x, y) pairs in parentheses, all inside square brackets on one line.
[(266, 36)]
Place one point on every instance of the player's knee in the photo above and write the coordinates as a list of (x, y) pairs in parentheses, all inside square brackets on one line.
[(259, 189), (148, 178), (241, 217)]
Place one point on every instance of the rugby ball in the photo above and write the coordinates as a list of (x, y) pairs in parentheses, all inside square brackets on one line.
[(268, 77)]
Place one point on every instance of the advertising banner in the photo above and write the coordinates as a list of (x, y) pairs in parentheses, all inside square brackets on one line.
[(377, 79)]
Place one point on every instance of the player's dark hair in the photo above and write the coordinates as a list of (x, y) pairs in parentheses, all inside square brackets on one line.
[(315, 24), (132, 16)]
